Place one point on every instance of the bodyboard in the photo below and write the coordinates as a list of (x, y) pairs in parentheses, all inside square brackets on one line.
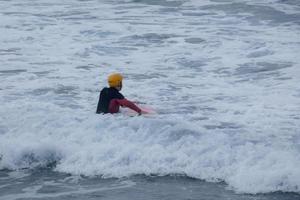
[(146, 111)]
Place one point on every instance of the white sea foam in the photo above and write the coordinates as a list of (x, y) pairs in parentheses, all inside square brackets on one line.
[(224, 82)]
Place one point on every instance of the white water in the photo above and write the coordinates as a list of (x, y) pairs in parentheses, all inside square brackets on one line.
[(224, 79)]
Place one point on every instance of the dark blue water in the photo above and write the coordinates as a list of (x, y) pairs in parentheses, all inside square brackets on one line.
[(47, 184)]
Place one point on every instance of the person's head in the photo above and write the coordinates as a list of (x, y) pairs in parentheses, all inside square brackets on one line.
[(115, 81)]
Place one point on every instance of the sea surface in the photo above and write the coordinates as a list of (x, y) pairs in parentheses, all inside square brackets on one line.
[(222, 75)]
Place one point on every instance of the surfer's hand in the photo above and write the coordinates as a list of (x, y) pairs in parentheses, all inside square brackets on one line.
[(143, 112)]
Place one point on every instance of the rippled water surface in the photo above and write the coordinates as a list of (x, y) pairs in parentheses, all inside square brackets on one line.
[(44, 184)]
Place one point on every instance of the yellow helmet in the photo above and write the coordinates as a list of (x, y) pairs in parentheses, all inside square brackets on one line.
[(115, 80)]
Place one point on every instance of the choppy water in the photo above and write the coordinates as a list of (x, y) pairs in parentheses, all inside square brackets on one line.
[(223, 76), (45, 184)]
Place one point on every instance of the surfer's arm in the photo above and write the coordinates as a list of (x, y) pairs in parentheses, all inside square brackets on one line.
[(128, 104)]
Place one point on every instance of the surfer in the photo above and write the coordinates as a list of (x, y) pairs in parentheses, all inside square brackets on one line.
[(111, 99)]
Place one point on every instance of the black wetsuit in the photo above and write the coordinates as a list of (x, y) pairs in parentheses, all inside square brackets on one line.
[(106, 95)]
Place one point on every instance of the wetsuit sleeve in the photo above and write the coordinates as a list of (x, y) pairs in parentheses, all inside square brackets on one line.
[(129, 104)]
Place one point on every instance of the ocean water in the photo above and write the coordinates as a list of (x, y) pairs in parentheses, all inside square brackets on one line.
[(222, 75)]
